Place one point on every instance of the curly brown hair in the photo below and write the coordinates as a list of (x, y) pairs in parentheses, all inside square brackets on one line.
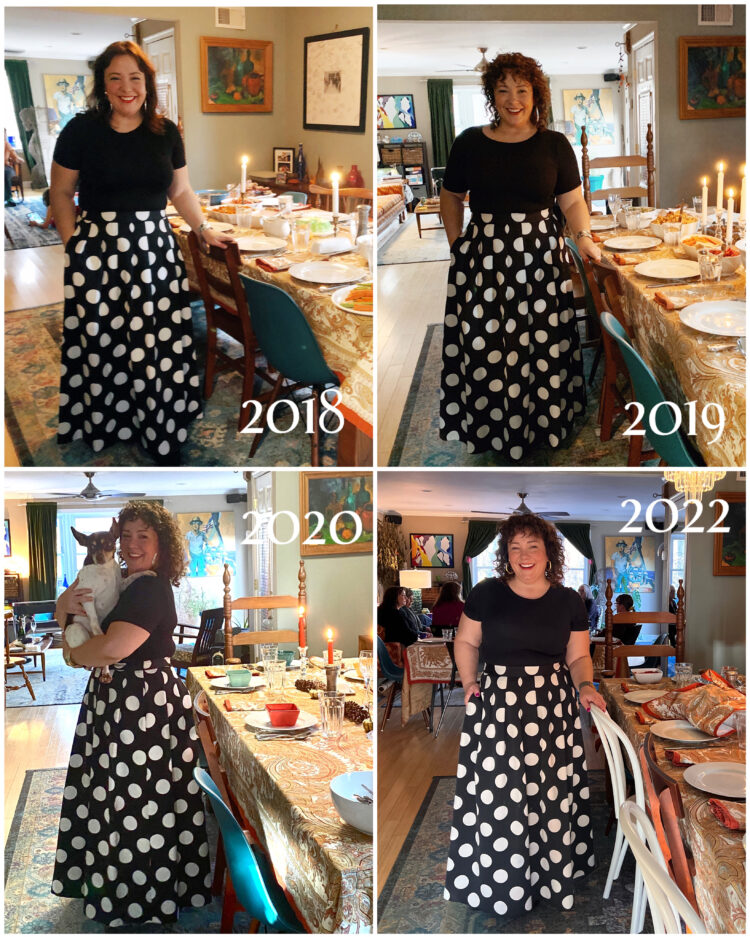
[(97, 100), (518, 66), (171, 554), (537, 526)]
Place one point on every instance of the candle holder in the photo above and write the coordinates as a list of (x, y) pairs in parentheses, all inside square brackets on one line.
[(302, 660), (332, 674), (335, 223)]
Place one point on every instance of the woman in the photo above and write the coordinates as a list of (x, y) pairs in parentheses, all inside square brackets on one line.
[(391, 621), (592, 609), (521, 829), (132, 839), (128, 364), (512, 368), (447, 611)]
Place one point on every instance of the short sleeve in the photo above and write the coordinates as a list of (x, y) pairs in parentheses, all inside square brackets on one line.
[(70, 145), (457, 168), (476, 602), (579, 620), (568, 177), (177, 152), (142, 604)]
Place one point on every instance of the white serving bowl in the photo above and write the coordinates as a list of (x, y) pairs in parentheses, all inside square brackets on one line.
[(343, 789), (647, 675), (646, 216), (728, 264), (687, 228)]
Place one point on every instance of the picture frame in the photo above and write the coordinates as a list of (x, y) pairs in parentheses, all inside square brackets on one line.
[(729, 549), (208, 538), (335, 81), (431, 551), (330, 493), (66, 96), (6, 539), (236, 75), (632, 562), (711, 77), (283, 159), (396, 112)]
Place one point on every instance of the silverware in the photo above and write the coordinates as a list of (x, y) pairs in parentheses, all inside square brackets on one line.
[(337, 286), (282, 736), (656, 286), (235, 689), (362, 799), (366, 788)]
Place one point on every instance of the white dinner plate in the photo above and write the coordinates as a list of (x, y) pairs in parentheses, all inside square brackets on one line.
[(260, 244), (352, 675), (679, 730), (294, 665), (323, 271), (722, 778), (631, 242), (222, 227), (170, 210), (668, 269), (340, 295), (643, 696), (221, 683), (260, 720), (270, 201), (720, 317), (602, 223)]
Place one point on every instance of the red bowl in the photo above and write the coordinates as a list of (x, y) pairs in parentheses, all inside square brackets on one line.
[(282, 715)]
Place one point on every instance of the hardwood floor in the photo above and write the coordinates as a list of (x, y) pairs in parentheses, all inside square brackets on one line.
[(33, 277)]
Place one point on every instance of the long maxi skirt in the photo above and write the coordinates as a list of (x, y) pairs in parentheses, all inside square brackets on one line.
[(132, 840), (521, 830), (512, 373), (129, 372)]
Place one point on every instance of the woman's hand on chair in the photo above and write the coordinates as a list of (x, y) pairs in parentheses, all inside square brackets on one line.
[(215, 239), (589, 696), (587, 248)]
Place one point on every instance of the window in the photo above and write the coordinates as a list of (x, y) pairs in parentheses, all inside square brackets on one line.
[(576, 565), (483, 566), (677, 560), (10, 115), (468, 107)]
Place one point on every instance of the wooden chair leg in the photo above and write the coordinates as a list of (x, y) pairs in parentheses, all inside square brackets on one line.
[(220, 866), (28, 683), (315, 438), (229, 907), (606, 410), (274, 394), (208, 382), (388, 704), (248, 384), (634, 450), (44, 666)]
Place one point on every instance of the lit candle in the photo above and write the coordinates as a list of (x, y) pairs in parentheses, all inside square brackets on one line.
[(730, 214), (302, 627), (330, 646), (704, 204), (719, 190), (243, 181), (743, 204), (335, 198)]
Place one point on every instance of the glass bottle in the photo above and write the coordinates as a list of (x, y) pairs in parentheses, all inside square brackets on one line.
[(301, 167)]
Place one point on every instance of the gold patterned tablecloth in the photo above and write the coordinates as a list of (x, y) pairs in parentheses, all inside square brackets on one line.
[(719, 878), (325, 865), (425, 664), (345, 339), (679, 356)]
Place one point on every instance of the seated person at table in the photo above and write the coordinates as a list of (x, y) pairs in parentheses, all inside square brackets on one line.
[(414, 622), (448, 608), (390, 619), (627, 634), (592, 609)]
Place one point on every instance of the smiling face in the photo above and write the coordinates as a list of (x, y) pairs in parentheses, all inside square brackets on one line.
[(514, 100), (139, 545), (125, 87), (527, 556)]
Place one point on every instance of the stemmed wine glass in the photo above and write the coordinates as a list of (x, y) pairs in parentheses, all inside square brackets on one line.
[(615, 204), (365, 667)]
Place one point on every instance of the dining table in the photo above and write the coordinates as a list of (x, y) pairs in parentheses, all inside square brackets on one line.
[(345, 337), (718, 852), (282, 785), (685, 361)]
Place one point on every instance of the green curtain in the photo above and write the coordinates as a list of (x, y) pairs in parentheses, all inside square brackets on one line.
[(41, 520), (20, 91), (550, 118), (480, 536), (440, 96), (579, 536)]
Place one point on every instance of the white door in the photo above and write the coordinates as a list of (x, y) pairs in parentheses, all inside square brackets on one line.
[(160, 49), (644, 97)]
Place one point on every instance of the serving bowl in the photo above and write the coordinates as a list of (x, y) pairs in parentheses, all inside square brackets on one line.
[(687, 227), (282, 715), (351, 810), (728, 264), (240, 677), (647, 675)]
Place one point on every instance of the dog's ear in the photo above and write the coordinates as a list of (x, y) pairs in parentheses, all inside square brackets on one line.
[(83, 539), (115, 528)]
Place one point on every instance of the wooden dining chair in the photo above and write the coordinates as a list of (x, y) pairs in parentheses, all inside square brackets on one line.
[(226, 309), (585, 307), (16, 663), (392, 673), (630, 163), (192, 655), (678, 619), (452, 683), (255, 602), (348, 198)]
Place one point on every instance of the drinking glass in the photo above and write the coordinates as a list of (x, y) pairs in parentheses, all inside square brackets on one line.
[(698, 205), (244, 216), (33, 627), (672, 230), (615, 203), (631, 218), (331, 714), (300, 235), (365, 668), (730, 674), (710, 265), (683, 674), (268, 653), (275, 670), (740, 724)]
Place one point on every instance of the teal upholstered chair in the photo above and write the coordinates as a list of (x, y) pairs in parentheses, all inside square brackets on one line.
[(300, 198), (290, 347), (589, 309), (252, 875), (672, 448)]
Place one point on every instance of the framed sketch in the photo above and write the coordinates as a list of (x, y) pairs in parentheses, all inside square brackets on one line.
[(6, 538), (283, 159), (236, 76), (633, 563), (66, 96), (729, 549), (430, 551), (396, 112), (593, 109), (208, 538), (335, 82), (344, 501), (712, 77)]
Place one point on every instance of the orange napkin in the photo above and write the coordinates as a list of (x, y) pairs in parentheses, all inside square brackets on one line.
[(709, 708), (597, 238), (624, 687), (728, 812), (215, 674), (273, 264), (671, 302), (628, 260), (642, 719), (239, 705), (712, 677)]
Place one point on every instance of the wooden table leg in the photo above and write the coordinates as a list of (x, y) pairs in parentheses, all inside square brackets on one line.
[(419, 224), (354, 446), (44, 666)]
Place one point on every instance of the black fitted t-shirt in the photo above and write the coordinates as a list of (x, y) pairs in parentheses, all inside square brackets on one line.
[(511, 177), (120, 171), (148, 603), (518, 631)]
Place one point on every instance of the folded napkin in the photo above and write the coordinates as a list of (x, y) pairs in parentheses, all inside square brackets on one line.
[(625, 687), (642, 719), (331, 245), (273, 264), (686, 757), (709, 708), (242, 705), (597, 238), (671, 302), (628, 260), (728, 812), (214, 674), (710, 676)]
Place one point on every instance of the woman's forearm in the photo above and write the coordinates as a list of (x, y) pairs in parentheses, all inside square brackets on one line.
[(96, 652), (452, 213), (64, 213), (187, 204), (467, 661), (581, 669)]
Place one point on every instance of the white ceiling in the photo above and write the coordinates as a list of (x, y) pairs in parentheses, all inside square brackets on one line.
[(593, 496), (38, 484), (445, 49), (59, 33)]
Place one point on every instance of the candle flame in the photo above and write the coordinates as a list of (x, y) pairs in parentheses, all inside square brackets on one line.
[(720, 167), (302, 610), (730, 193), (335, 176), (329, 634), (245, 160), (742, 170), (704, 180)]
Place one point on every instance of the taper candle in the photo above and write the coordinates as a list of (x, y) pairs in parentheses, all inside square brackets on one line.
[(719, 190), (302, 627), (704, 204), (330, 646), (243, 180), (335, 198), (743, 193), (730, 214)]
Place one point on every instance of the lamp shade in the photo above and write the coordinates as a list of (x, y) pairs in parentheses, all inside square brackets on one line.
[(415, 578)]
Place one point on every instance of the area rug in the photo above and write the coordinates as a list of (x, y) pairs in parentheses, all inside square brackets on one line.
[(31, 402), (406, 247), (30, 906), (64, 685), (23, 234), (417, 441), (411, 901)]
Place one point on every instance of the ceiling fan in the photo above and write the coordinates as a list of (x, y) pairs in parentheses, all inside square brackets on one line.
[(91, 493), (479, 67), (523, 508)]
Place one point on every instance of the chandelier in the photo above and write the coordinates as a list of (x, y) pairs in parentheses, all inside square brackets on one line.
[(694, 483)]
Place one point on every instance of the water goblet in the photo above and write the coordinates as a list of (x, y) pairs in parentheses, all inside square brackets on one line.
[(331, 713), (710, 266), (365, 668), (631, 218), (615, 204)]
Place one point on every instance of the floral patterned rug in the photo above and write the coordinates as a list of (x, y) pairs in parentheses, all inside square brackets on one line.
[(22, 234), (64, 685)]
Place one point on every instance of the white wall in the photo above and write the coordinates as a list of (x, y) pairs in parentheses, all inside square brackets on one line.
[(650, 601)]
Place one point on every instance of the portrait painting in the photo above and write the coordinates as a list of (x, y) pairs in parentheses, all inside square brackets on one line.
[(345, 502), (633, 562), (430, 551), (593, 109), (209, 542), (236, 75), (66, 96)]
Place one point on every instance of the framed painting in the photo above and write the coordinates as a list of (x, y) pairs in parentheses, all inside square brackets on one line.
[(396, 112), (66, 96), (335, 81), (283, 159), (208, 537), (712, 77), (6, 538), (633, 563), (593, 109), (344, 501), (236, 76), (729, 549), (431, 551)]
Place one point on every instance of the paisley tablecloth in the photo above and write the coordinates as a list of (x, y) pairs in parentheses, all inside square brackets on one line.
[(424, 666), (679, 356), (719, 856), (325, 865)]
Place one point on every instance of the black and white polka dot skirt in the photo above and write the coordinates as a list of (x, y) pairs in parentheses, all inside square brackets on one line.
[(132, 839), (129, 372), (512, 367), (521, 829)]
